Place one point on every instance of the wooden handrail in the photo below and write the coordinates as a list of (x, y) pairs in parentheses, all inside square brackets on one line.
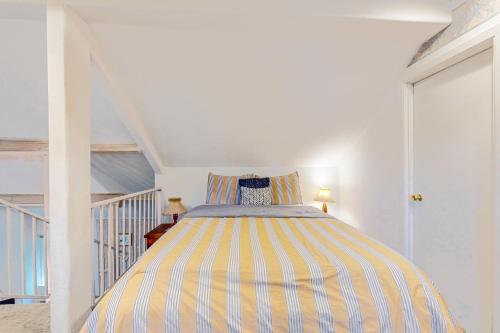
[(22, 210), (123, 197)]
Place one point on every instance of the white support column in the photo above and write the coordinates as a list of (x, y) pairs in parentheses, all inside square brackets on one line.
[(68, 59), (496, 177)]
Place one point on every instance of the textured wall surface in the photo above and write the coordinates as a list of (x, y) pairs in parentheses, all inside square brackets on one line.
[(465, 17)]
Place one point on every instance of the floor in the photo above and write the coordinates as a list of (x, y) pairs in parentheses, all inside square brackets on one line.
[(25, 318)]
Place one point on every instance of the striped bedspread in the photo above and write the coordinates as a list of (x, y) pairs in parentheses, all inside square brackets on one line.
[(270, 274)]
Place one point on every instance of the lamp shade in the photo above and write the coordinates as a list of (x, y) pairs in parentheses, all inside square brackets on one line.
[(174, 207), (324, 195)]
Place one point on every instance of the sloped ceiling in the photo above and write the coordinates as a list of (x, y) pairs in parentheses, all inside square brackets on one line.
[(122, 172), (256, 83)]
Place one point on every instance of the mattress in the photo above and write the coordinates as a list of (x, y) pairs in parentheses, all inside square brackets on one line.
[(279, 269)]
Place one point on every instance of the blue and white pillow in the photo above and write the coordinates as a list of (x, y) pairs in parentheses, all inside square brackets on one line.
[(256, 196)]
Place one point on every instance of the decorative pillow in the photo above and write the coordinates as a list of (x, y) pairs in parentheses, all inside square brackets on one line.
[(254, 182), (222, 190), (256, 196), (286, 189)]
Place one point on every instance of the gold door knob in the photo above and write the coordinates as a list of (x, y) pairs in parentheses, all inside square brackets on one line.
[(417, 197)]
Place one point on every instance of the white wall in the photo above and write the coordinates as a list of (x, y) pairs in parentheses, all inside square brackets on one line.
[(191, 183), (372, 176), (25, 176), (368, 183), (21, 176)]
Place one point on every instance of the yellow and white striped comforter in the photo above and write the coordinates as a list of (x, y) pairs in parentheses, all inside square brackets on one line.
[(258, 274)]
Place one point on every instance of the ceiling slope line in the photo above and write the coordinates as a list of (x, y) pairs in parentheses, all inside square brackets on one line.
[(128, 113)]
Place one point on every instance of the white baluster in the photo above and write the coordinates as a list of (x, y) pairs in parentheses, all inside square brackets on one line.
[(46, 255), (140, 225), (153, 202), (153, 210), (95, 241), (135, 229), (23, 259), (8, 216), (110, 248), (158, 204), (115, 242), (122, 270), (143, 224), (146, 203), (145, 221), (149, 211), (33, 253), (129, 252), (101, 251)]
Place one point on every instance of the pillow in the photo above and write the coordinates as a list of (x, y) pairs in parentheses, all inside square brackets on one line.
[(286, 189), (256, 196), (254, 182), (222, 190)]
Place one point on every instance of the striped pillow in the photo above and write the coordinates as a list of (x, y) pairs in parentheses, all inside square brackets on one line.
[(222, 190), (286, 189)]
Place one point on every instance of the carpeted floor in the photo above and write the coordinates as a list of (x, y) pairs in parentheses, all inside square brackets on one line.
[(25, 318)]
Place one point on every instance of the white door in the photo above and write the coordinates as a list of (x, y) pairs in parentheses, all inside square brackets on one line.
[(453, 224)]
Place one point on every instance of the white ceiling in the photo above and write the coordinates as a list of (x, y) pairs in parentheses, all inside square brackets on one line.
[(159, 11), (224, 83), (456, 3)]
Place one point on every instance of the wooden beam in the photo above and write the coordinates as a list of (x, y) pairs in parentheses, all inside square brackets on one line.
[(42, 146), (38, 199), (13, 145)]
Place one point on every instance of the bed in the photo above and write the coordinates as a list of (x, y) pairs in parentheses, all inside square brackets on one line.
[(270, 269)]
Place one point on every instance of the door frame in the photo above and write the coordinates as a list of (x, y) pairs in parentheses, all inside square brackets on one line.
[(481, 38)]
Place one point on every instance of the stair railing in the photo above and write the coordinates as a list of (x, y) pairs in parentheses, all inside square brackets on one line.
[(119, 226), (26, 257)]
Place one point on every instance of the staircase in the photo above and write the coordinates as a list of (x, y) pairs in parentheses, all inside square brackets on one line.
[(119, 225)]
